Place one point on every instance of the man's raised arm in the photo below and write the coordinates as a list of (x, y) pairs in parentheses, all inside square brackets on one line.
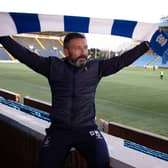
[(114, 64)]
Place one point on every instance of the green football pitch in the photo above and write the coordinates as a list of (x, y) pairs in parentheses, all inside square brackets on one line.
[(135, 97)]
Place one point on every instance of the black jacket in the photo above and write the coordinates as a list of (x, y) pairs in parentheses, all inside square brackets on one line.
[(73, 89)]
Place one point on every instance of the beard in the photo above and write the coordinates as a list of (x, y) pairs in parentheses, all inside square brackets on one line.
[(79, 62)]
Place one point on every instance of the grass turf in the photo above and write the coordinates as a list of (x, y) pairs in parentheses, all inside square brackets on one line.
[(134, 96)]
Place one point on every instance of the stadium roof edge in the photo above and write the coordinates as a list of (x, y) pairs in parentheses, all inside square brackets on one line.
[(50, 35)]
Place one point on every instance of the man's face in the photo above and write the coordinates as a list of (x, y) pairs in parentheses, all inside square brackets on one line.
[(77, 51)]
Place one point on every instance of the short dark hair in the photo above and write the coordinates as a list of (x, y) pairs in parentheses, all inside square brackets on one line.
[(71, 36)]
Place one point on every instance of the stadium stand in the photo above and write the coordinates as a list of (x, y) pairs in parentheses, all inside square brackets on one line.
[(4, 55), (159, 62), (41, 45), (37, 104), (52, 47), (9, 95), (143, 60), (27, 41), (151, 60), (51, 43), (23, 128)]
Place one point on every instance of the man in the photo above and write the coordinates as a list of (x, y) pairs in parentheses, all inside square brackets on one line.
[(73, 83)]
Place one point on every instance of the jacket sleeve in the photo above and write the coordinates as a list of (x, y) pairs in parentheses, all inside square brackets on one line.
[(114, 64), (25, 56)]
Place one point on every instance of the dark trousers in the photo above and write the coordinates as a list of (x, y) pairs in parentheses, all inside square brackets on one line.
[(90, 143)]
